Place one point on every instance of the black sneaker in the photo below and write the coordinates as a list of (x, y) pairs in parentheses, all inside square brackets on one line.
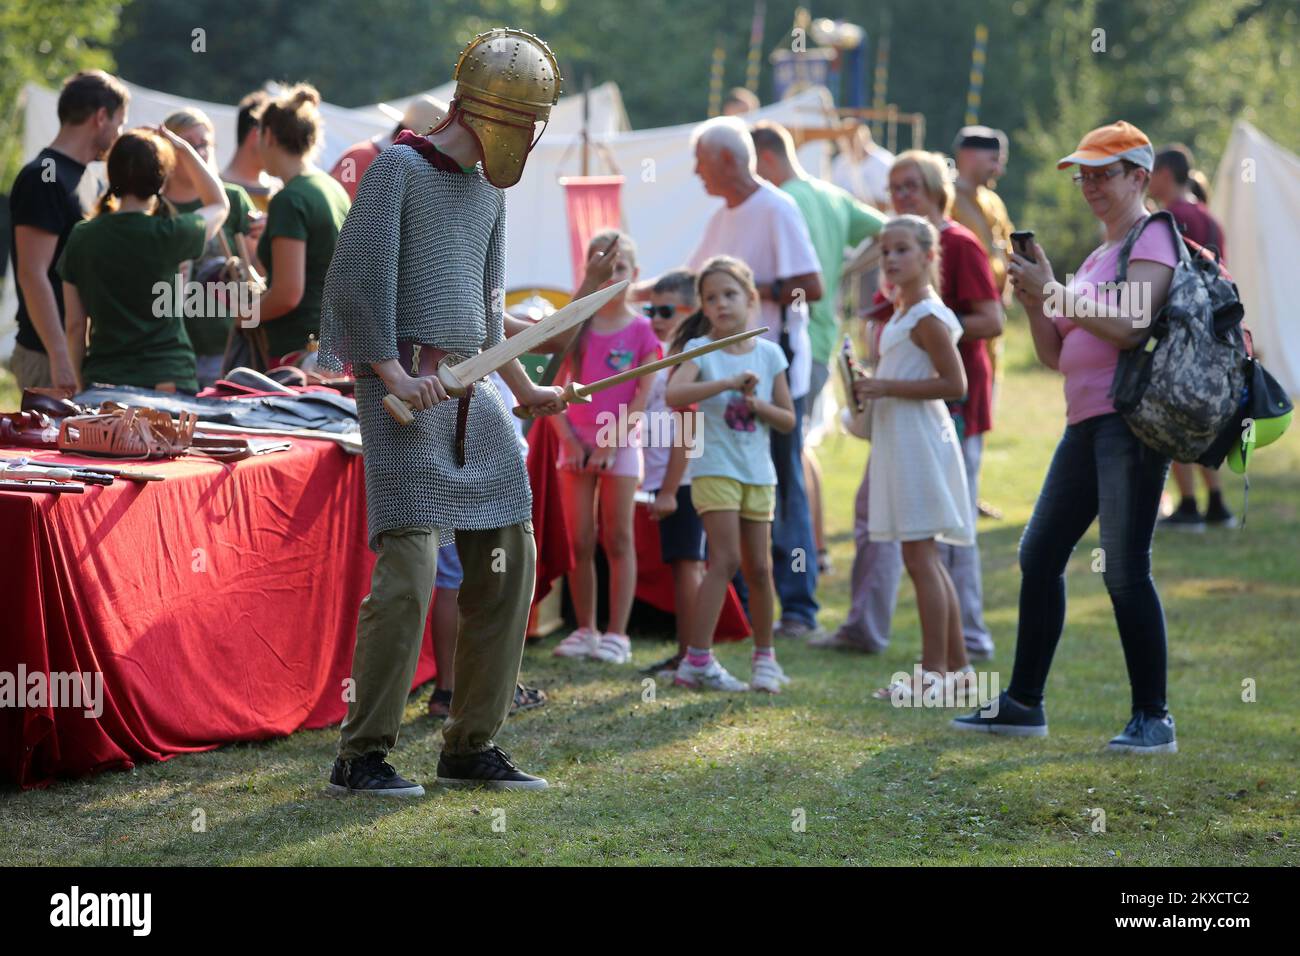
[(1218, 516), (490, 769), (369, 776), (1146, 735), (666, 668), (1184, 518), (1005, 716)]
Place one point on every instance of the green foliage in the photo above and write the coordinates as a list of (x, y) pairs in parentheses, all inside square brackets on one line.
[(1180, 70), (43, 43)]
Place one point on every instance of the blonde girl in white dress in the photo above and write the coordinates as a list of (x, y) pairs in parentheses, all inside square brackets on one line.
[(918, 493)]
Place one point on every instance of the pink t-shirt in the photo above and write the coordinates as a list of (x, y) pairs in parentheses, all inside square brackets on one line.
[(606, 355), (1087, 362)]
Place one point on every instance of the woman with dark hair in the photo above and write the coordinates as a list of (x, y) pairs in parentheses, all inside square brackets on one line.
[(1101, 470), (119, 268), (302, 221)]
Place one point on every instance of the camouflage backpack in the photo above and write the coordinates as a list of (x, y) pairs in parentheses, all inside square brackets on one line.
[(1181, 387)]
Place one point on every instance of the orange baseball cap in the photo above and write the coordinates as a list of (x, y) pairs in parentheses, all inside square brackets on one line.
[(1109, 144)]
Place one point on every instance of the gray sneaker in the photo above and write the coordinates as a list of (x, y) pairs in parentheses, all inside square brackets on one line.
[(1146, 735), (842, 640), (789, 628)]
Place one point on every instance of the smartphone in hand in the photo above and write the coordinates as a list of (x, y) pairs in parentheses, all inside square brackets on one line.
[(1022, 240)]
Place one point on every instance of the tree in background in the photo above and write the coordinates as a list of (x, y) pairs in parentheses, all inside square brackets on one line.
[(43, 43), (1181, 70)]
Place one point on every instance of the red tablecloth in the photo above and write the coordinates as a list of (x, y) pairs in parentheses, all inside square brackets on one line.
[(219, 605)]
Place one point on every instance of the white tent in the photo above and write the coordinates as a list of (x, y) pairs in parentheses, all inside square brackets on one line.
[(664, 206), (1257, 199)]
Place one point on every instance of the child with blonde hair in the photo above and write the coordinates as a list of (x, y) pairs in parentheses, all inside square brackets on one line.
[(916, 479), (742, 393), (600, 460)]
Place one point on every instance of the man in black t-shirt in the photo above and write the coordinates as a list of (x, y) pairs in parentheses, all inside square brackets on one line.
[(44, 205)]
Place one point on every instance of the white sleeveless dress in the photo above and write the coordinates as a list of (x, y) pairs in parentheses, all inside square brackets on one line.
[(917, 482)]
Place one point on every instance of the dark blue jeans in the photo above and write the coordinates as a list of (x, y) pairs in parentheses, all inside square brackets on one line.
[(1100, 470), (795, 573)]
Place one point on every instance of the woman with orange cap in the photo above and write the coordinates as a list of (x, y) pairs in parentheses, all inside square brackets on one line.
[(1100, 469)]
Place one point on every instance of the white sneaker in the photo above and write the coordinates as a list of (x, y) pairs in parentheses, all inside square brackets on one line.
[(581, 643), (712, 677), (767, 676), (613, 649)]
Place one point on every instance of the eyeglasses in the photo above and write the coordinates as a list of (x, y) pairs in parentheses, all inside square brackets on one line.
[(659, 311), (1098, 179)]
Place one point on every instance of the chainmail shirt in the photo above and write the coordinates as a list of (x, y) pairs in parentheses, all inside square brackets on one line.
[(421, 256)]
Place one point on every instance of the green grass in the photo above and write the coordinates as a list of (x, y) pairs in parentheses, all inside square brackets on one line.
[(688, 778)]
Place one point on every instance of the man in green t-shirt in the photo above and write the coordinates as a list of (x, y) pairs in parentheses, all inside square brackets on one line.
[(837, 222)]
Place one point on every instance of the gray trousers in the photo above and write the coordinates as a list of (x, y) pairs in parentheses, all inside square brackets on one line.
[(964, 562), (878, 568)]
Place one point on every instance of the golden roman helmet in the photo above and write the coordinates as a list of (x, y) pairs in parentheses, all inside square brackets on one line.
[(506, 82)]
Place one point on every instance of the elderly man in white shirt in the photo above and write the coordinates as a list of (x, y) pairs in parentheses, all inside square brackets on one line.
[(763, 226)]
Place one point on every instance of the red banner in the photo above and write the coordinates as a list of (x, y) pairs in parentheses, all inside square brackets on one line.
[(593, 203)]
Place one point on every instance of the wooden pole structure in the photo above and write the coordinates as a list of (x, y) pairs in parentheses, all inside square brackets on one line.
[(715, 76)]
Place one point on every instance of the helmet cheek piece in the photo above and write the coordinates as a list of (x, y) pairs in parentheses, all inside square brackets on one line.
[(503, 136)]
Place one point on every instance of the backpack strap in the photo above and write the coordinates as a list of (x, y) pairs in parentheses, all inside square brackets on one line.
[(1136, 232)]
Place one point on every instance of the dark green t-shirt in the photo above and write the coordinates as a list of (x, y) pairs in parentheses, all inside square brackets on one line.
[(208, 335), (120, 263), (310, 207)]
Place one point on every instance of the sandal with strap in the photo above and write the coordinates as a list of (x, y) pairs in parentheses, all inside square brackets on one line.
[(527, 698)]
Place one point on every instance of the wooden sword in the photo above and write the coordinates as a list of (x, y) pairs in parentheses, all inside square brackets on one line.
[(575, 393), (457, 378)]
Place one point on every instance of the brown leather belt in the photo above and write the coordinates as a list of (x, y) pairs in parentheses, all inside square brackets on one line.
[(421, 360)]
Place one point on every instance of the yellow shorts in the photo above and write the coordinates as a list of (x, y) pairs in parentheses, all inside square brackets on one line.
[(716, 493)]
